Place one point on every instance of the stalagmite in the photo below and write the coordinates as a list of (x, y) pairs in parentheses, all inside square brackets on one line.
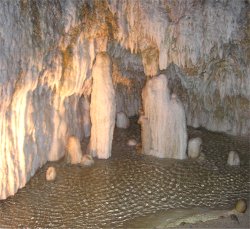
[(51, 173), (122, 120), (102, 108), (74, 152), (166, 120), (178, 132), (132, 142), (194, 147), (87, 160), (233, 158)]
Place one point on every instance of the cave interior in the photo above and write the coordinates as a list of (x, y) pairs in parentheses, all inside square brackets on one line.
[(142, 84)]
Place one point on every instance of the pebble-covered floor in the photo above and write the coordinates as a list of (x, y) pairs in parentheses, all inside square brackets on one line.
[(130, 185)]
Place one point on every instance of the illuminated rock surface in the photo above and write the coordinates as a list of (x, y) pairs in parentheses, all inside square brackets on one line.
[(47, 50)]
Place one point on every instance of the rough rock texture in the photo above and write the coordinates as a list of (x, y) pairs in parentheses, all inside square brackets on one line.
[(166, 119), (128, 79), (44, 69), (102, 108), (47, 49), (207, 42)]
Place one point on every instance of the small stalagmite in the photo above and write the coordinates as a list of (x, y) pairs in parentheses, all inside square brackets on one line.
[(74, 152), (102, 108), (122, 120), (233, 159), (87, 160), (241, 206), (131, 142), (194, 147), (165, 117), (51, 173)]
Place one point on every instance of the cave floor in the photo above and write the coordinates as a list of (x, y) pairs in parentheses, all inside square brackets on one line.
[(129, 186)]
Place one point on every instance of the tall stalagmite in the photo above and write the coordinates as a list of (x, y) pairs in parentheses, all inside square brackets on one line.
[(166, 119), (102, 108)]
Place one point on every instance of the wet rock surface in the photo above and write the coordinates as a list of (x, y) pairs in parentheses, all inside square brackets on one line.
[(130, 185)]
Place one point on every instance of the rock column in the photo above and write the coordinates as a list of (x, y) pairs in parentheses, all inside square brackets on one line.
[(102, 108)]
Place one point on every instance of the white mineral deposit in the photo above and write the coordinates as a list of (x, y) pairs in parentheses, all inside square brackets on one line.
[(122, 120), (166, 119), (132, 142), (233, 159), (194, 147), (51, 173), (102, 108)]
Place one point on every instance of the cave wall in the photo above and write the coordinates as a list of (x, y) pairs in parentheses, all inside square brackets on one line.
[(208, 43), (47, 50), (45, 63)]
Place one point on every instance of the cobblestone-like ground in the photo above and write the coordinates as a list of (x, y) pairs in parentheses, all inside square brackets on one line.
[(130, 185)]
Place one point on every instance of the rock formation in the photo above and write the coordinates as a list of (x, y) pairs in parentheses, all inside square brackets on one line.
[(233, 158), (74, 152), (87, 160), (47, 51), (132, 142), (102, 108), (241, 206), (194, 147), (166, 120), (122, 120), (51, 174)]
